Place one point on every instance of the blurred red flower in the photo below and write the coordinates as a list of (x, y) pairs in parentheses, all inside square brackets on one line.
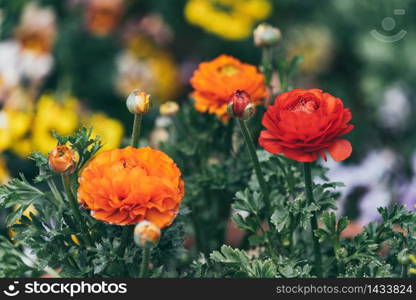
[(304, 123)]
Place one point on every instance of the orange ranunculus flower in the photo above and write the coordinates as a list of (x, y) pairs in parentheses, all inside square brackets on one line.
[(63, 159), (126, 186), (304, 123), (216, 80)]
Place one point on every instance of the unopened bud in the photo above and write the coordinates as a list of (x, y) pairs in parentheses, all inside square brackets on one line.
[(138, 102), (240, 105), (169, 108), (63, 159), (266, 35), (146, 234)]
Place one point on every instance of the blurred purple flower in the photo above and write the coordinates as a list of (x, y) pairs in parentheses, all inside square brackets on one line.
[(373, 174)]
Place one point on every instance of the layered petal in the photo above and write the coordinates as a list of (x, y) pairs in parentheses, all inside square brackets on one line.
[(126, 186), (216, 80), (340, 149), (303, 124)]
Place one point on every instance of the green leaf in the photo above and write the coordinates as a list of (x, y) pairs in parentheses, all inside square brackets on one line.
[(229, 255), (251, 202), (321, 234), (244, 223), (342, 224), (256, 240), (294, 65), (262, 269), (329, 219), (280, 219)]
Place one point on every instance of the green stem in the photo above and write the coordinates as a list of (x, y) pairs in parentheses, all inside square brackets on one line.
[(267, 239), (124, 240), (314, 219), (252, 151), (75, 208), (136, 130), (55, 191), (145, 262), (267, 62)]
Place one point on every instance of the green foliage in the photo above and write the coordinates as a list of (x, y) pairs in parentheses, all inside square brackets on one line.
[(284, 234), (240, 265), (48, 234), (83, 142), (213, 172)]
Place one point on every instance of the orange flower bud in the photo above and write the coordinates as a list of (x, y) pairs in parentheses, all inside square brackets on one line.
[(169, 108), (146, 234), (266, 35), (240, 105), (63, 159), (138, 102)]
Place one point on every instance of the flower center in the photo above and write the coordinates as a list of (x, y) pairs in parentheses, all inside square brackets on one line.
[(228, 70), (305, 103)]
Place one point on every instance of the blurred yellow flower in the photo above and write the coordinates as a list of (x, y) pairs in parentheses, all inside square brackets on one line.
[(143, 66), (53, 116), (22, 147), (229, 19), (14, 124), (316, 45), (169, 108), (4, 173), (26, 131), (109, 130)]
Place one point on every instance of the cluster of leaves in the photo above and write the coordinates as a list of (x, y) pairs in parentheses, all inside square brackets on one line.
[(53, 240), (283, 233), (213, 168)]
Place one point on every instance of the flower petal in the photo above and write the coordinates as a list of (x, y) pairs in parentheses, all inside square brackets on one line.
[(300, 155), (340, 149), (269, 143)]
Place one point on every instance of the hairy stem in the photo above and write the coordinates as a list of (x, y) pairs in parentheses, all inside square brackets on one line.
[(75, 209), (145, 262), (252, 151), (136, 130), (124, 240), (267, 62), (314, 219), (55, 191)]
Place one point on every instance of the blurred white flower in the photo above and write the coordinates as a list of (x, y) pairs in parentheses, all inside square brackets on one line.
[(16, 65), (394, 110), (9, 58), (133, 73), (36, 67), (37, 29)]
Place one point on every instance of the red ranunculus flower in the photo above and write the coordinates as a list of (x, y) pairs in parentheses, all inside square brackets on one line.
[(304, 123)]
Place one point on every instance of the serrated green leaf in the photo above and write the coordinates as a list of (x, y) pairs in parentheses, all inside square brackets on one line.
[(280, 219)]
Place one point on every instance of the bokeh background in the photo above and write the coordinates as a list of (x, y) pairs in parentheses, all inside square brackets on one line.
[(69, 63)]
